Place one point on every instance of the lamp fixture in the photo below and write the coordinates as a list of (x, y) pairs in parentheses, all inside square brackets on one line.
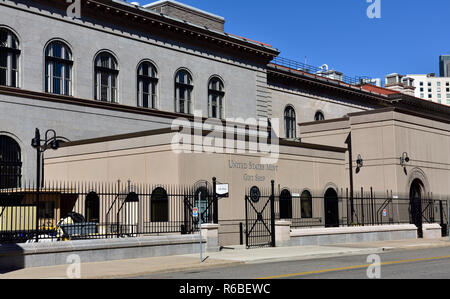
[(359, 163), (404, 159)]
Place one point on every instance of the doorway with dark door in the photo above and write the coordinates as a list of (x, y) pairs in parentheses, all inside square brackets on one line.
[(331, 201), (415, 197)]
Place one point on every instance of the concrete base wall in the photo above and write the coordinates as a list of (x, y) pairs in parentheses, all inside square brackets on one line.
[(328, 236), (432, 231), (19, 256)]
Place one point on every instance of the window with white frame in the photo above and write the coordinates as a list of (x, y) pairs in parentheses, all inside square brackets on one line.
[(106, 73), (58, 68), (183, 92), (215, 98), (9, 58), (147, 79)]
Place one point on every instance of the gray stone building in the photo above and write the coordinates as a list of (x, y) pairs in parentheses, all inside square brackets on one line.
[(119, 68), (109, 68)]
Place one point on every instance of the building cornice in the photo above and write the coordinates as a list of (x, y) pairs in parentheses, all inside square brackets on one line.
[(145, 20), (403, 102)]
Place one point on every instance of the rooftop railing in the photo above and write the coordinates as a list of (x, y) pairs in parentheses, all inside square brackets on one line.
[(321, 72)]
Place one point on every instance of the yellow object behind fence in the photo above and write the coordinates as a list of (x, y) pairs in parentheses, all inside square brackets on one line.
[(17, 218)]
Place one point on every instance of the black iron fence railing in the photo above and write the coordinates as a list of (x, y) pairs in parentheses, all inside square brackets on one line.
[(337, 209), (100, 210), (77, 211), (321, 72)]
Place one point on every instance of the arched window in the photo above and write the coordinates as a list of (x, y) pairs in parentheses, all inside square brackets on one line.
[(159, 207), (285, 204), (215, 98), (183, 92), (319, 116), (92, 208), (106, 73), (9, 58), (290, 122), (58, 69), (147, 79), (306, 204), (10, 163)]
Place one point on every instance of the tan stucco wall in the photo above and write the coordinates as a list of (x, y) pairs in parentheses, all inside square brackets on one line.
[(384, 137), (150, 160), (381, 138)]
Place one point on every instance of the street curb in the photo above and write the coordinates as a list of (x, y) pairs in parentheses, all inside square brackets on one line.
[(166, 271), (317, 256)]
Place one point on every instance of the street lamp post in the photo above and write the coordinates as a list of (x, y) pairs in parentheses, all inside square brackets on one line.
[(41, 145)]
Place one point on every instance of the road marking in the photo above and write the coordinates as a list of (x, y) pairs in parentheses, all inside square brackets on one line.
[(355, 267)]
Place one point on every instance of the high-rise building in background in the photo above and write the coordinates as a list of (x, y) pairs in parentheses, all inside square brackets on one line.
[(444, 65), (431, 87)]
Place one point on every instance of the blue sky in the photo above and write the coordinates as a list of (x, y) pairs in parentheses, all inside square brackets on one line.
[(408, 38)]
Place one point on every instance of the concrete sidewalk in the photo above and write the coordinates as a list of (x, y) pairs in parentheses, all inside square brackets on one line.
[(230, 256)]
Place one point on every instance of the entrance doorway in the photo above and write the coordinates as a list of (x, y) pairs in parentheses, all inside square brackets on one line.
[(331, 208), (415, 197), (202, 202)]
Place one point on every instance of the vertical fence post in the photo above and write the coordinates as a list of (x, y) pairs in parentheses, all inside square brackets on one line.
[(246, 221), (272, 211), (362, 206), (372, 201), (215, 203), (348, 208), (241, 232), (38, 179), (448, 218), (441, 213)]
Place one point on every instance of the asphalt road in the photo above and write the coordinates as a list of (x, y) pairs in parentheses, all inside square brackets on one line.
[(433, 263)]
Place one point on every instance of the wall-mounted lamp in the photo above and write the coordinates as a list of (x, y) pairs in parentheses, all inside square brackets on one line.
[(404, 159), (359, 163)]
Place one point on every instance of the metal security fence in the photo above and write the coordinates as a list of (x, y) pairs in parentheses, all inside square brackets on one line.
[(259, 217), (370, 208), (77, 211), (336, 208)]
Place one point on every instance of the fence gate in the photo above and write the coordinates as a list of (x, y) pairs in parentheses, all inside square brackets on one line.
[(259, 218)]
